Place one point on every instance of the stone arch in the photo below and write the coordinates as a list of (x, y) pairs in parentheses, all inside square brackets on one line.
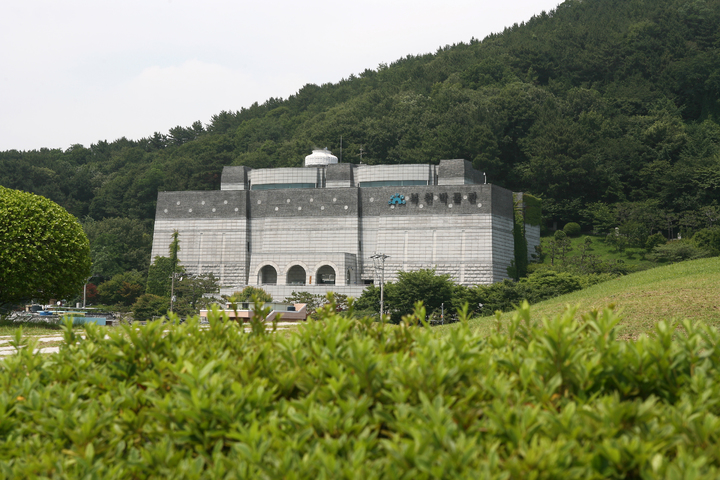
[(326, 274), (262, 264), (267, 275), (295, 275)]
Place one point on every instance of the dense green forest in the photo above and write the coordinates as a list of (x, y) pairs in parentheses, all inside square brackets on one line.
[(606, 109)]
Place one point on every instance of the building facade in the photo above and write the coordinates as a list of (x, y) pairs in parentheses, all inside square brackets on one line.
[(314, 228)]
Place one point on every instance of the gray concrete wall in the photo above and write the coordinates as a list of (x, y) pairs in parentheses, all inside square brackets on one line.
[(448, 228), (213, 232), (532, 236), (459, 172), (503, 247), (234, 178), (378, 173), (339, 175)]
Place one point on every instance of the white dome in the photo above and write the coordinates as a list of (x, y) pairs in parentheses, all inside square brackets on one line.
[(320, 157)]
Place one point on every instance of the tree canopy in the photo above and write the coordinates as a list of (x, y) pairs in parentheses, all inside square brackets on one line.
[(44, 252), (411, 287)]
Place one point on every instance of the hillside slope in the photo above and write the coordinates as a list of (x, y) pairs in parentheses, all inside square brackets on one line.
[(675, 292), (597, 100)]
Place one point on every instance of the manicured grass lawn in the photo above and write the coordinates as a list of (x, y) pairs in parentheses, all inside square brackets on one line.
[(683, 290)]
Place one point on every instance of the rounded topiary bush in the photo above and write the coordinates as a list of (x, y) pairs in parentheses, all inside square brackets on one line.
[(572, 229), (44, 252)]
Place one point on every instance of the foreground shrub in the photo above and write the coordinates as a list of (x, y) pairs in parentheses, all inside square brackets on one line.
[(347, 398)]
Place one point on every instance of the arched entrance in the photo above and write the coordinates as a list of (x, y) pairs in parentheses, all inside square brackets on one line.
[(268, 275), (296, 275), (326, 275)]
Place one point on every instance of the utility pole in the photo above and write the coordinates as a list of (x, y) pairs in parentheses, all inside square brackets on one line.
[(379, 259)]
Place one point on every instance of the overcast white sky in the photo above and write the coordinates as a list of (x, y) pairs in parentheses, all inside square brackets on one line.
[(80, 71)]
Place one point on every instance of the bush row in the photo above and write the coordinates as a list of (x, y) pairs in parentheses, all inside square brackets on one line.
[(439, 293), (352, 398)]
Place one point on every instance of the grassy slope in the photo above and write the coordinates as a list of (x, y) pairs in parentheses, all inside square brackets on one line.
[(633, 257), (682, 290)]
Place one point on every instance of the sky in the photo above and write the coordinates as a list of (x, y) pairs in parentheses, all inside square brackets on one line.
[(82, 71)]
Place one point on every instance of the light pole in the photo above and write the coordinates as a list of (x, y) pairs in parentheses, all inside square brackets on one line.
[(379, 258)]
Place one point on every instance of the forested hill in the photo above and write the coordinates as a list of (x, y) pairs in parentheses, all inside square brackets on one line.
[(597, 101)]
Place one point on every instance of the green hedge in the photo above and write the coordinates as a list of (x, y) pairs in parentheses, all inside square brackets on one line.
[(346, 398)]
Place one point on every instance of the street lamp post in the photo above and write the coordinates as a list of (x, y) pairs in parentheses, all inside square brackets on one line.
[(379, 258)]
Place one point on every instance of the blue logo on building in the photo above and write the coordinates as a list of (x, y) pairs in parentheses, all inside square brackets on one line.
[(397, 199)]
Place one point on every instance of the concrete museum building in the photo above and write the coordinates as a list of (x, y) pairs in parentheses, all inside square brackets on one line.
[(314, 228)]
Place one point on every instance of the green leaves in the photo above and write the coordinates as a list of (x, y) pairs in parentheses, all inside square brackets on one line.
[(352, 398), (44, 252)]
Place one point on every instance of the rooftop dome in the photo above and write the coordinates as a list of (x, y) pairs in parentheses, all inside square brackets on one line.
[(320, 157)]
